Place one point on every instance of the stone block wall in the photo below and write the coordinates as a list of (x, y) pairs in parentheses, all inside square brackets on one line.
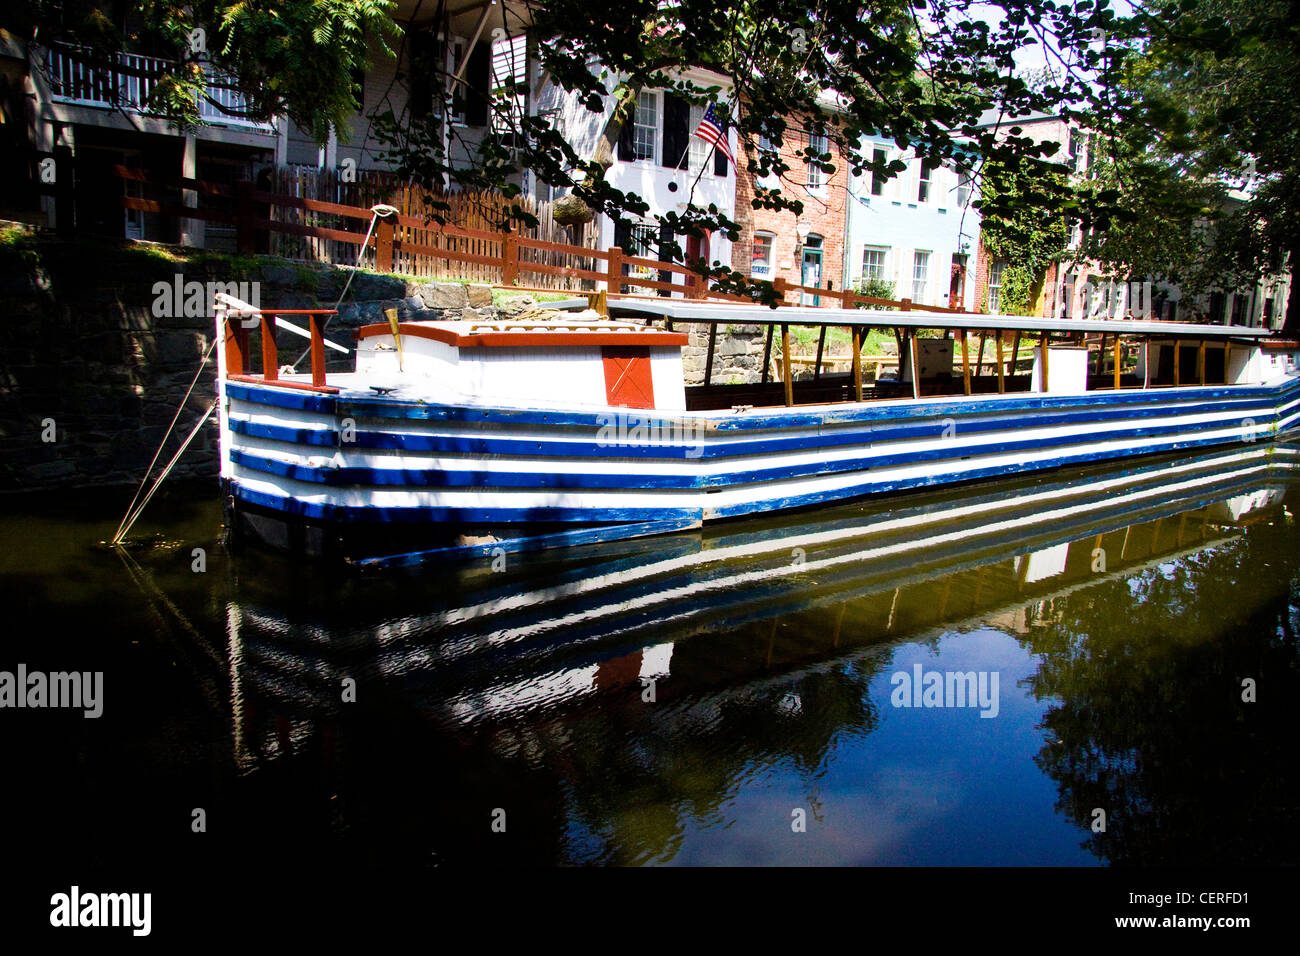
[(91, 374)]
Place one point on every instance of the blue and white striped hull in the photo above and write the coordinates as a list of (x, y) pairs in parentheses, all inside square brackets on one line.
[(353, 462)]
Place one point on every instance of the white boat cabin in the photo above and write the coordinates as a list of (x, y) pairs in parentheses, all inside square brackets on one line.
[(587, 360)]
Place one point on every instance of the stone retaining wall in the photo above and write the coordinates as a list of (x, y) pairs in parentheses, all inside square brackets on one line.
[(91, 374)]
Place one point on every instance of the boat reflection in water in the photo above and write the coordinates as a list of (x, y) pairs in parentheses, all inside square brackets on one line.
[(624, 699)]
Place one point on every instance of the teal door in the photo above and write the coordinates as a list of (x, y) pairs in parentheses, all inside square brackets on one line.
[(812, 268)]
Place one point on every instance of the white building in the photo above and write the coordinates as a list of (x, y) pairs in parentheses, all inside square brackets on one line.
[(917, 230), (658, 158)]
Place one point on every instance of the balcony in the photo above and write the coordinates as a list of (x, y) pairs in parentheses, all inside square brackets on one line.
[(72, 80)]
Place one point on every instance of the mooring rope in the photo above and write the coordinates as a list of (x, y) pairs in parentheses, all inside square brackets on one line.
[(377, 211), (131, 517), (127, 520)]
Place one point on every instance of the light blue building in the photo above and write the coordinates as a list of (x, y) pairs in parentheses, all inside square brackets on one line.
[(917, 230)]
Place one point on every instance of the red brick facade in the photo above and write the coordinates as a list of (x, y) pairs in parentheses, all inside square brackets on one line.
[(823, 213)]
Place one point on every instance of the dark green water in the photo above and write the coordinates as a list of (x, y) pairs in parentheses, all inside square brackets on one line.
[(686, 700)]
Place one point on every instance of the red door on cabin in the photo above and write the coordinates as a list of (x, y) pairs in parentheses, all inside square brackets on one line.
[(627, 376)]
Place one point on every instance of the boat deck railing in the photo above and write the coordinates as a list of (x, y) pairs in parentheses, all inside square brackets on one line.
[(233, 328)]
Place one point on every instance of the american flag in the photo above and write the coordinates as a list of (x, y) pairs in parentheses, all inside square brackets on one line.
[(710, 130)]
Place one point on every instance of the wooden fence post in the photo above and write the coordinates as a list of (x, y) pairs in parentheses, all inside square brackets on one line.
[(613, 282), (245, 217), (782, 287), (384, 244), (509, 259)]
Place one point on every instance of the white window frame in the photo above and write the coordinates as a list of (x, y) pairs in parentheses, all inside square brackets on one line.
[(924, 184), (771, 255), (920, 275), (877, 270), (649, 233), (639, 127), (815, 178), (995, 285)]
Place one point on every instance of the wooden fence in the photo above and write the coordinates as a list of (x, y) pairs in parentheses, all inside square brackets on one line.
[(296, 226)]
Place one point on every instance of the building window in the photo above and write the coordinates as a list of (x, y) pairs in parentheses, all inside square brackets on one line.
[(1076, 150), (873, 262), (963, 188), (647, 126), (920, 276), (641, 244), (816, 175), (697, 149), (878, 179), (761, 266), (923, 186), (995, 287)]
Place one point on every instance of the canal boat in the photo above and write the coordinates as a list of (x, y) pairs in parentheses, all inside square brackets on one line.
[(453, 438)]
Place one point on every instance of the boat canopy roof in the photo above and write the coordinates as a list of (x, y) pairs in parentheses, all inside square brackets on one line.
[(682, 310)]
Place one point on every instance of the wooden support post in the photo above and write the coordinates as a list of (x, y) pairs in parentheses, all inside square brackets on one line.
[(965, 362), (821, 344), (317, 351), (1045, 349), (1227, 351), (614, 271), (708, 361), (600, 302), (979, 359), (1101, 355), (236, 346), (785, 365), (1119, 360), (1146, 363), (384, 235), (270, 358), (1015, 353), (1002, 383), (509, 259), (767, 353), (1200, 361), (1178, 361), (857, 363), (916, 365)]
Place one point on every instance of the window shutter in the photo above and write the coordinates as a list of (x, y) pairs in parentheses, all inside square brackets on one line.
[(720, 161), (677, 130), (477, 78), (627, 136), (665, 237)]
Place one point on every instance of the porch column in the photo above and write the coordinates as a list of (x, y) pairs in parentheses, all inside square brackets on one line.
[(192, 233)]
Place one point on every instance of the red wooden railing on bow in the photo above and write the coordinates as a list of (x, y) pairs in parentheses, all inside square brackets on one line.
[(238, 365)]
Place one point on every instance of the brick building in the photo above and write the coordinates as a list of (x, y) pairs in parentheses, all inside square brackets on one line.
[(805, 249)]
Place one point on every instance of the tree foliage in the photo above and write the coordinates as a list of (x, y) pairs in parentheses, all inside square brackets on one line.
[(1202, 144), (298, 58)]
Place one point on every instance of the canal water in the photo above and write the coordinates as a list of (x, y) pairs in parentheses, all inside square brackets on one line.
[(1097, 666)]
